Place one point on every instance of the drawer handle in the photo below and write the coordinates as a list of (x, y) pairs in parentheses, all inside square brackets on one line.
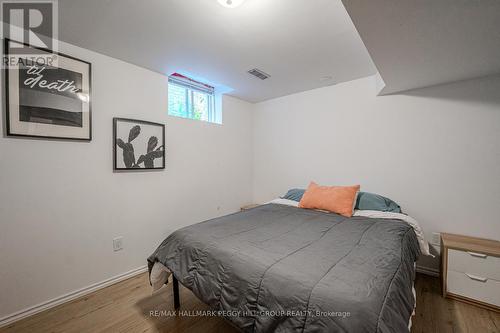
[(477, 278), (479, 255)]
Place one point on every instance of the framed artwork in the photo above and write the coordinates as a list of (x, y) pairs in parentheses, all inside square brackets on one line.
[(138, 144), (47, 100)]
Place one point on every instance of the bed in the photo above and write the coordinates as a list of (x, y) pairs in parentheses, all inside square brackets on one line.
[(279, 268)]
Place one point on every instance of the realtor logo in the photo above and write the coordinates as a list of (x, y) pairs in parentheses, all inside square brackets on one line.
[(30, 23)]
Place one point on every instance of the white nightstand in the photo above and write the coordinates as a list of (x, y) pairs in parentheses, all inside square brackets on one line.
[(470, 270)]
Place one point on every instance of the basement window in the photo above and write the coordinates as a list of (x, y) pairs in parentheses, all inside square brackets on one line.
[(188, 98)]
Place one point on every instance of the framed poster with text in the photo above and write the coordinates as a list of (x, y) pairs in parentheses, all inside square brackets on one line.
[(47, 99)]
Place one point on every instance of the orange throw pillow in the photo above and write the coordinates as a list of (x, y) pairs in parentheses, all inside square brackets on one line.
[(336, 199)]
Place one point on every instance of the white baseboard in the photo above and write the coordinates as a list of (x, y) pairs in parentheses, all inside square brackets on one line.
[(9, 319), (428, 271)]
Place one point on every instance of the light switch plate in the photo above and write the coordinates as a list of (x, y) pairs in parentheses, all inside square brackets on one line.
[(118, 244)]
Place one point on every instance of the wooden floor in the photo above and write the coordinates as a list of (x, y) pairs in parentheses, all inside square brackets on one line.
[(127, 306)]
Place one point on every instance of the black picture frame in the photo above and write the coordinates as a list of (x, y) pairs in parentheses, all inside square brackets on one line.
[(137, 122), (9, 131)]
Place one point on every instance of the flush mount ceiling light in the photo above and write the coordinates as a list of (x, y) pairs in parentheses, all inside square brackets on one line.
[(230, 3)]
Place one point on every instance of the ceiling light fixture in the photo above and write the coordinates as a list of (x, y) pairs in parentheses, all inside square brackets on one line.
[(230, 3)]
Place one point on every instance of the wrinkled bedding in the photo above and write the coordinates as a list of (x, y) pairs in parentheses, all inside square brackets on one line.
[(278, 268)]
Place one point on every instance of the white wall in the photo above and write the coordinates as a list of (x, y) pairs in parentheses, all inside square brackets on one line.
[(436, 151), (61, 204)]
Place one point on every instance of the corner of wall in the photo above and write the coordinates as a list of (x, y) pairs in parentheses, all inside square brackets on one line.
[(379, 84)]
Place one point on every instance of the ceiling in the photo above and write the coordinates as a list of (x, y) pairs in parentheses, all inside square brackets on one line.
[(299, 43), (427, 42)]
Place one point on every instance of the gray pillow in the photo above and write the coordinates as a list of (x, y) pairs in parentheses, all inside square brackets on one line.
[(371, 201), (365, 201), (294, 194)]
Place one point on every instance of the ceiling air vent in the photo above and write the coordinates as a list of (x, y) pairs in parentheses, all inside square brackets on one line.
[(259, 74)]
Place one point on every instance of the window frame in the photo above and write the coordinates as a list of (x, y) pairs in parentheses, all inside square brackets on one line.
[(191, 87)]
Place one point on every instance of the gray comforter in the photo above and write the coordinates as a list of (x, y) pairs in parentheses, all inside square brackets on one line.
[(278, 268)]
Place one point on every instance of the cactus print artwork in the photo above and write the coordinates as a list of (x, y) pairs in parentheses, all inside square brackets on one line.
[(138, 138)]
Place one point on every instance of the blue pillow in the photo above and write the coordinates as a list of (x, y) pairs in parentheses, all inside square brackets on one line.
[(371, 201), (365, 201), (294, 194)]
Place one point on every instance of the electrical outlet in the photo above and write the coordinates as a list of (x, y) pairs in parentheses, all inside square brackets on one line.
[(118, 244), (436, 238)]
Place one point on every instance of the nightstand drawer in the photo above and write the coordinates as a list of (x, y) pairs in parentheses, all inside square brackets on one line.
[(474, 263), (474, 287)]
